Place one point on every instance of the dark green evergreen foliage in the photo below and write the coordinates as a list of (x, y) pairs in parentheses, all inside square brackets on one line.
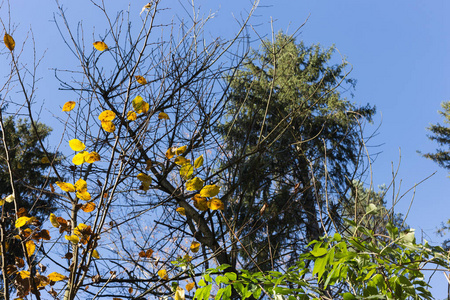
[(30, 172), (441, 134), (295, 144)]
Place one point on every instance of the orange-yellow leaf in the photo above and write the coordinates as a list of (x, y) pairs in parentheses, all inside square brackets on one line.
[(95, 254), (163, 274), (195, 246), (54, 220), (68, 106), (131, 115), (180, 150), (84, 195), (181, 160), (24, 274), (215, 204), (22, 221), (181, 211), (170, 152), (100, 46), (92, 157), (72, 238), (9, 42), (163, 116), (88, 207), (140, 79), (198, 162), (210, 190), (31, 247), (81, 185), (108, 126), (76, 145), (200, 202), (190, 286), (194, 184), (107, 115), (55, 276)]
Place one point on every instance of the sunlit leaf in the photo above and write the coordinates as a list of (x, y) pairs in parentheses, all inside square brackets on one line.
[(100, 46), (2, 202), (198, 162), (68, 106), (210, 190), (55, 276), (30, 246), (181, 211), (24, 274), (84, 195), (163, 274), (195, 246), (190, 286), (163, 116), (79, 158), (186, 171), (170, 152), (201, 203), (194, 184), (181, 160), (72, 238), (140, 79), (76, 145), (88, 207), (106, 115), (139, 105), (180, 150), (92, 157), (22, 221), (9, 42), (108, 126), (179, 294), (216, 204), (131, 115), (95, 254), (45, 160), (54, 220), (81, 185), (10, 198)]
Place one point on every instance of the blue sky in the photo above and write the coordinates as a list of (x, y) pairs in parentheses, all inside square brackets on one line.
[(399, 51)]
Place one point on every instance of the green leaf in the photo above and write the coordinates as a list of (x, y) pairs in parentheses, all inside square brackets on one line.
[(348, 296), (231, 276)]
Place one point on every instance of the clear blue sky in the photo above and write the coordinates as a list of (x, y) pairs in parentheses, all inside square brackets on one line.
[(399, 51)]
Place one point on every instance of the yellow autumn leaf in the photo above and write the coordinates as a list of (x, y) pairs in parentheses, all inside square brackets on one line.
[(107, 115), (163, 116), (22, 221), (198, 162), (76, 145), (100, 46), (194, 184), (180, 150), (95, 254), (2, 202), (31, 247), (80, 228), (216, 204), (84, 195), (146, 185), (54, 220), (9, 42), (72, 238), (190, 286), (186, 171), (131, 115), (45, 160), (170, 152), (195, 246), (88, 207), (55, 276), (108, 126), (68, 106), (144, 178), (181, 160), (92, 157), (179, 294), (200, 202), (140, 79), (139, 105), (24, 274), (181, 211), (79, 158), (81, 185), (163, 274), (210, 190), (10, 198)]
